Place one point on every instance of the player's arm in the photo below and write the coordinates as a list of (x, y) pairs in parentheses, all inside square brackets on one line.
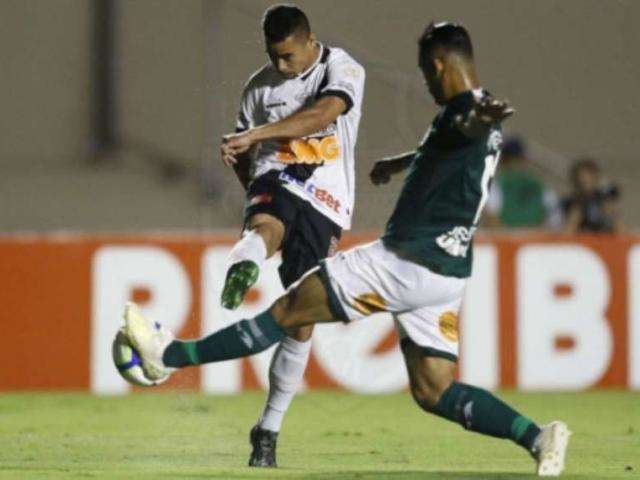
[(485, 114), (304, 122), (343, 91), (384, 169), (246, 120)]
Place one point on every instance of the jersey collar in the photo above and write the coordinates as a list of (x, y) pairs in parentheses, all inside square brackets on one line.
[(322, 57)]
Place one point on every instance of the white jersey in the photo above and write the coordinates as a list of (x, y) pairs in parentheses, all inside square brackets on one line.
[(329, 154)]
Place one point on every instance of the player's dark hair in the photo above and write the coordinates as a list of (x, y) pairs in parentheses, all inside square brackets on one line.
[(282, 21), (451, 37)]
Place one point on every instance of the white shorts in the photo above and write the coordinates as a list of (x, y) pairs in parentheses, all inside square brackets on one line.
[(371, 278)]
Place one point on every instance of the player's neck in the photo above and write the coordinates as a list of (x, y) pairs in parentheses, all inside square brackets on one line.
[(314, 58), (457, 79)]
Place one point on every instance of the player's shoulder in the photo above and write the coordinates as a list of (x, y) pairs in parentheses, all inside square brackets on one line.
[(339, 56), (265, 76)]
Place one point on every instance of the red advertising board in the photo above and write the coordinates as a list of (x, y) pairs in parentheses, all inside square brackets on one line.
[(541, 312)]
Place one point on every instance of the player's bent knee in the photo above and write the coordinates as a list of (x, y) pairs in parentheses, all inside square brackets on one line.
[(301, 334), (281, 309), (284, 312), (425, 397), (270, 228), (427, 391)]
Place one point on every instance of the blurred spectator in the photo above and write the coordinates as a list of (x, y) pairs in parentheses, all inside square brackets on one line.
[(518, 197), (592, 206)]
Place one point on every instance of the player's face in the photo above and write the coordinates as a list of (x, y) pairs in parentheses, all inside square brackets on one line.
[(293, 55), (432, 78)]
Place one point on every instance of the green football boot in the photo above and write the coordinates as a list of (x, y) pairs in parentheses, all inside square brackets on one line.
[(240, 278)]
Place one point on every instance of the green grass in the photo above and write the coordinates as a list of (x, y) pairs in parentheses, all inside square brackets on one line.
[(326, 436)]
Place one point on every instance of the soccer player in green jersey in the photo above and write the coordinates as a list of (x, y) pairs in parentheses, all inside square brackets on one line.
[(417, 271)]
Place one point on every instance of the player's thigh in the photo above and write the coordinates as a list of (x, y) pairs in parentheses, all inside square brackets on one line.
[(435, 328), (269, 210), (311, 238), (270, 228), (305, 303), (429, 341), (371, 278)]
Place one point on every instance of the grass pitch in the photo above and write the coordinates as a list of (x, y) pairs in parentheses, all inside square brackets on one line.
[(326, 436)]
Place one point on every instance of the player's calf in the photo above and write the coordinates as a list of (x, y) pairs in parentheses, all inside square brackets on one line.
[(475, 409)]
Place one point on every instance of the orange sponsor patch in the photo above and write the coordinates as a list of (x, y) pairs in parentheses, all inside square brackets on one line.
[(370, 303), (310, 151), (448, 323)]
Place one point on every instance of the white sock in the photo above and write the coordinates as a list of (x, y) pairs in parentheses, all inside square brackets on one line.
[(285, 376), (250, 247)]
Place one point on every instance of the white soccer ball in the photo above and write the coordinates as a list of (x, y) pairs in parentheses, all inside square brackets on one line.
[(128, 363)]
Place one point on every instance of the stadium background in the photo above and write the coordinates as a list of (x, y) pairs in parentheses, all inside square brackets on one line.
[(111, 117)]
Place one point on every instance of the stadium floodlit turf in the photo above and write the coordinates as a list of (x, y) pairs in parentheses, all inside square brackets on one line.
[(326, 436)]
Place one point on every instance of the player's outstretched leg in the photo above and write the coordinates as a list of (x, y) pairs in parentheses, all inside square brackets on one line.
[(260, 241), (305, 304), (286, 371), (434, 389)]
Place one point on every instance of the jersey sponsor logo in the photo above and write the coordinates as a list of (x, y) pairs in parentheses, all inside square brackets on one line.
[(448, 324), (276, 104), (370, 303), (456, 241), (320, 194), (311, 151)]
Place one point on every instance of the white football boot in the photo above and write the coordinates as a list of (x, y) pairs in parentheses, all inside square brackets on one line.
[(150, 339), (549, 449)]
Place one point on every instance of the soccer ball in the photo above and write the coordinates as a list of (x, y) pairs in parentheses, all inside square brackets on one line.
[(128, 363)]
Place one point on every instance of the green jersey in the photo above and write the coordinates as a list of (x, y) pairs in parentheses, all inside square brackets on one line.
[(445, 190)]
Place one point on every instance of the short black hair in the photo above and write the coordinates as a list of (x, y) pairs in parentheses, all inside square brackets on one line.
[(282, 21), (451, 37)]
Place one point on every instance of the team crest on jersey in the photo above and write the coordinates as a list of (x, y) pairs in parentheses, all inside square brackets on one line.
[(456, 241)]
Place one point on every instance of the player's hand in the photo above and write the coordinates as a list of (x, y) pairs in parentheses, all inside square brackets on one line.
[(381, 173), (491, 110), (233, 145), (485, 114)]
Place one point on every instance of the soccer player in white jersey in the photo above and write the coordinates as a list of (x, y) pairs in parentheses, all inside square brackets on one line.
[(293, 151)]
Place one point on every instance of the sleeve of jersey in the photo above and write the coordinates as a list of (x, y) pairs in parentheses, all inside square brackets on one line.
[(246, 114), (346, 81)]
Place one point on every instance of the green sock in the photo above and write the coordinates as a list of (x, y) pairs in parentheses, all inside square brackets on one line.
[(242, 339), (479, 411)]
